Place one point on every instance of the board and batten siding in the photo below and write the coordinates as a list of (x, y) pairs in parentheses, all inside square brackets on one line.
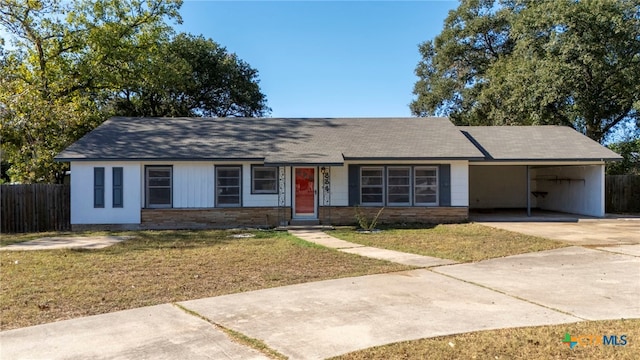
[(460, 183), (82, 186), (193, 185), (339, 185)]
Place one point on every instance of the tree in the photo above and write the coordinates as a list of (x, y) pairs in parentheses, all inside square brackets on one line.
[(193, 76), (65, 61), (630, 163), (452, 72), (564, 62)]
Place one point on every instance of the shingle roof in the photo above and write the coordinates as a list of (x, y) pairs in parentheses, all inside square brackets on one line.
[(273, 140), (535, 143)]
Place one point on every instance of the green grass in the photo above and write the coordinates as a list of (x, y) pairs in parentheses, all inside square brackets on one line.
[(459, 242), (542, 342), (158, 267)]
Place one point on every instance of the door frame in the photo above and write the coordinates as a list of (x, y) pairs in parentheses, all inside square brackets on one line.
[(313, 216)]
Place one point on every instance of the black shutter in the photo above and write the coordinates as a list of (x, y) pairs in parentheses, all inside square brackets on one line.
[(354, 185), (98, 187), (117, 187), (444, 181)]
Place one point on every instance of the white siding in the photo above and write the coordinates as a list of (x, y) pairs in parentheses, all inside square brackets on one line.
[(258, 200), (572, 189), (460, 183), (497, 186), (193, 185), (339, 186), (82, 210)]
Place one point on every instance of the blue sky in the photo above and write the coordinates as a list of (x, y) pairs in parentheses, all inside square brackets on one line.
[(325, 58)]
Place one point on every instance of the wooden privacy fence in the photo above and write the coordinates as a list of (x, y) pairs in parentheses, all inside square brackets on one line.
[(34, 207), (622, 193)]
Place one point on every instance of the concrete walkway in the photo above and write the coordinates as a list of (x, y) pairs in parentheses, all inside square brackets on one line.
[(155, 332), (328, 318), (322, 238)]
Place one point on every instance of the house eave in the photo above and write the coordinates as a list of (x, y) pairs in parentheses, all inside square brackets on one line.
[(89, 159), (413, 158), (585, 161), (287, 163)]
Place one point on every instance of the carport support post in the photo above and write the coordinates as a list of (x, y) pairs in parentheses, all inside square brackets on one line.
[(528, 192)]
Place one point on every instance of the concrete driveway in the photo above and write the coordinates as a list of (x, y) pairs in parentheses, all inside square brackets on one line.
[(581, 232), (327, 318)]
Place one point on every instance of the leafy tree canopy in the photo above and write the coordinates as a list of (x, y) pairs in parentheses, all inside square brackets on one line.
[(630, 164), (70, 65), (531, 62), (193, 76)]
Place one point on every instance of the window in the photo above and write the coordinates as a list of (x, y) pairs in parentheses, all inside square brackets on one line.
[(98, 187), (117, 187), (159, 186), (399, 186), (264, 180), (372, 186), (228, 182), (426, 186)]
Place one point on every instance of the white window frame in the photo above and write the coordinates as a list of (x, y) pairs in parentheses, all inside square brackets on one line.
[(436, 186), (253, 179), (219, 187), (382, 185), (148, 187), (408, 186)]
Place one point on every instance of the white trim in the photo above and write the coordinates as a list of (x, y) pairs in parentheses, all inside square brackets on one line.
[(409, 185), (239, 186), (304, 216), (147, 186), (383, 185), (533, 163), (437, 185), (253, 179)]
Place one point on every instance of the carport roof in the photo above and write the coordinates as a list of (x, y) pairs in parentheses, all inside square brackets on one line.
[(535, 143)]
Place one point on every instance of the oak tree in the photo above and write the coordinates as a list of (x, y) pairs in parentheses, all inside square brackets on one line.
[(564, 62)]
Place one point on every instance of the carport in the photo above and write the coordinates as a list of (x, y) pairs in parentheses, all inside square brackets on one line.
[(551, 168)]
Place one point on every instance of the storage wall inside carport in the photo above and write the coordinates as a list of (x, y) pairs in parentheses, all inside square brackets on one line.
[(497, 187), (572, 189)]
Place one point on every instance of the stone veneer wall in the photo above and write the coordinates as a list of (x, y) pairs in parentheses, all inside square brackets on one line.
[(212, 218), (269, 217), (345, 215)]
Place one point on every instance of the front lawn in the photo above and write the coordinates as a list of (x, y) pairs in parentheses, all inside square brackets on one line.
[(459, 242), (541, 342), (159, 267)]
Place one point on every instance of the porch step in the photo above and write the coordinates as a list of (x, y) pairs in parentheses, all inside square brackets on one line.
[(294, 222)]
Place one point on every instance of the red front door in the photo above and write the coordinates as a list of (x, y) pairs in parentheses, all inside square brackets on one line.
[(305, 204)]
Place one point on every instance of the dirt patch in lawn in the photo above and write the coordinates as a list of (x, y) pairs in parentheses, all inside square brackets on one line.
[(66, 242)]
